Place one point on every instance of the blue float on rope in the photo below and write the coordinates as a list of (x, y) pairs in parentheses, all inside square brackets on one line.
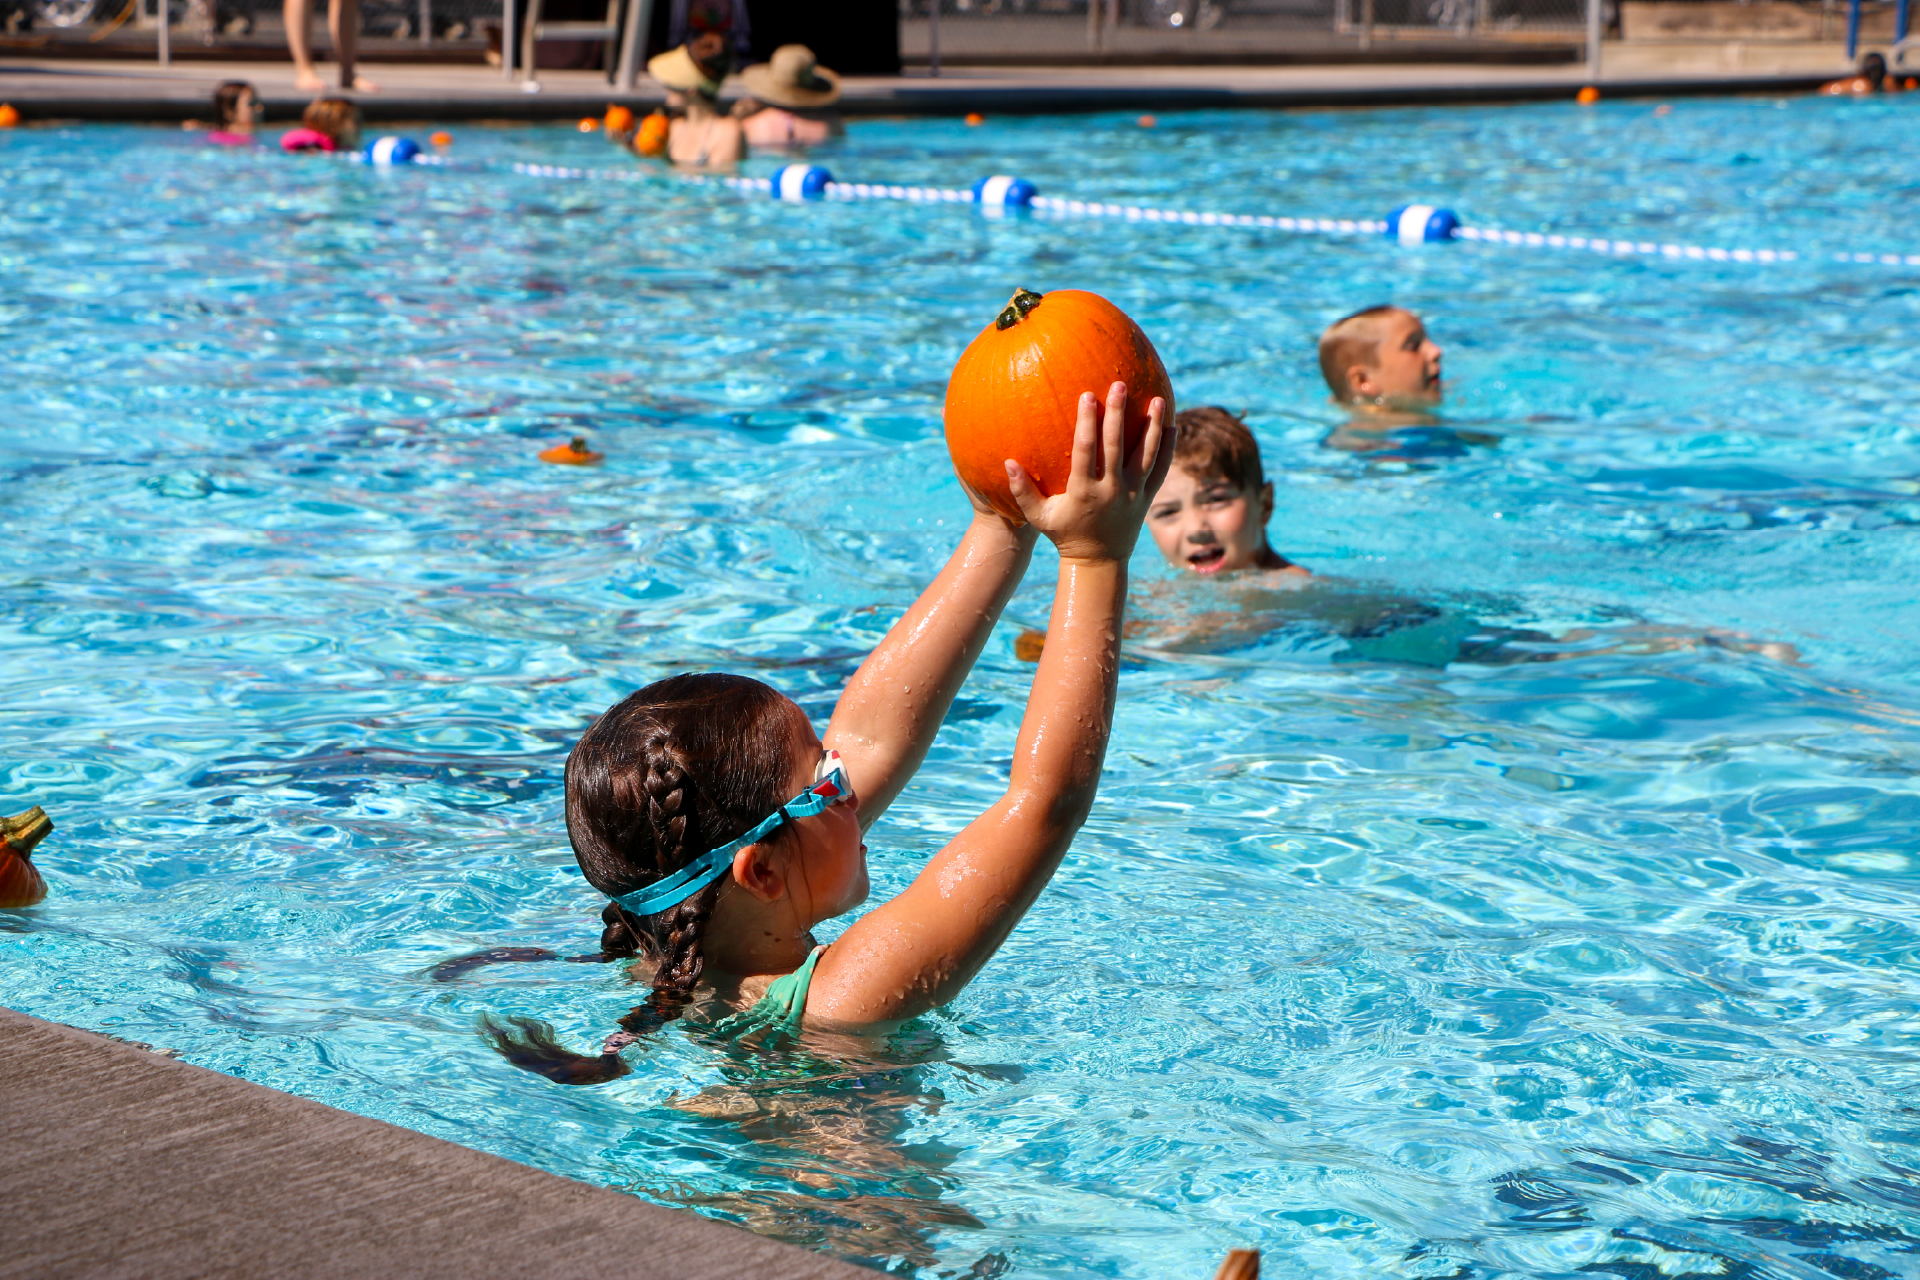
[(1002, 191), (800, 182), (1421, 224), (386, 151)]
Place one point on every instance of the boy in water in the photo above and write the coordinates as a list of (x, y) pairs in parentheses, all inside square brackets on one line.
[(1384, 370), (1211, 513), (1380, 362), (1210, 519)]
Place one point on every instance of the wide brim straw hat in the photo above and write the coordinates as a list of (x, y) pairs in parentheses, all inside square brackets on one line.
[(792, 79), (677, 70)]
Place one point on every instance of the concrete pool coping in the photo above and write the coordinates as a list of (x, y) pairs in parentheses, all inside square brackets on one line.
[(66, 89), (117, 1161)]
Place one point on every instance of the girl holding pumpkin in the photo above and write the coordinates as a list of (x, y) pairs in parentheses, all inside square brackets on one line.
[(725, 830)]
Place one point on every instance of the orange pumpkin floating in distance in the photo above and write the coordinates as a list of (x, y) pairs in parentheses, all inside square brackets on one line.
[(1147, 122), (974, 119), (442, 139), (574, 453), (1587, 96), (9, 115), (589, 125), (651, 138), (619, 119), (1015, 392)]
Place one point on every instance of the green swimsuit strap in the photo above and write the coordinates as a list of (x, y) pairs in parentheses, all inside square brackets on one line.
[(786, 1000)]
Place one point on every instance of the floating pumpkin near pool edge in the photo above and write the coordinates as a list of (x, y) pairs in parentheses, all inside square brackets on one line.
[(1587, 96), (574, 453), (9, 115), (618, 119), (650, 138), (21, 884), (441, 140), (1015, 391)]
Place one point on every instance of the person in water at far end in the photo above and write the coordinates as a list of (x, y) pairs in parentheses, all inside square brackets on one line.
[(725, 831), (699, 136), (236, 110), (328, 124), (1211, 514), (791, 102), (1873, 78)]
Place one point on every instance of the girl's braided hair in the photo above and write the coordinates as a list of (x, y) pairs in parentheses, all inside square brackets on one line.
[(683, 766)]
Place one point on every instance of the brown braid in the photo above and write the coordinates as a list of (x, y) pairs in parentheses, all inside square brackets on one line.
[(685, 765), (680, 767)]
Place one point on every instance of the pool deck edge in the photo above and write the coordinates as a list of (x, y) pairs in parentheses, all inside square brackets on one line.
[(117, 1161), (72, 91)]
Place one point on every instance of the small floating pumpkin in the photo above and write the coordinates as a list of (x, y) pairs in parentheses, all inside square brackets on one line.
[(9, 115), (619, 119), (442, 140), (1015, 392), (651, 137), (574, 453), (20, 883)]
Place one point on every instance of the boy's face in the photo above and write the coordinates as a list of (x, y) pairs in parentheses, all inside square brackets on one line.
[(1209, 525), (1406, 367)]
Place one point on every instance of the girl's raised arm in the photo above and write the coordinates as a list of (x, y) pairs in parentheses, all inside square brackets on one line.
[(890, 711), (922, 948)]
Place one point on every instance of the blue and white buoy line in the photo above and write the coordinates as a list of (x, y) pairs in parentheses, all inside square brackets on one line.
[(1409, 225)]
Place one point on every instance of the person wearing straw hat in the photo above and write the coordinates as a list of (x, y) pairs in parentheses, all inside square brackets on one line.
[(790, 97), (700, 136)]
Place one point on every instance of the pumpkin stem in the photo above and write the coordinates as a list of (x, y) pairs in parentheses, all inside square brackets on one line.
[(25, 830), (578, 444), (1024, 300)]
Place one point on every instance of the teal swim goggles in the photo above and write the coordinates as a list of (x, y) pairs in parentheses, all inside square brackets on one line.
[(830, 787)]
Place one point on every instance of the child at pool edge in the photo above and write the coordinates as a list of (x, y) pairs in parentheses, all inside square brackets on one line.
[(678, 801)]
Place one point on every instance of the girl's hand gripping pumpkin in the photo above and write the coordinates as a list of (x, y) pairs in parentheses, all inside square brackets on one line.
[(1098, 516)]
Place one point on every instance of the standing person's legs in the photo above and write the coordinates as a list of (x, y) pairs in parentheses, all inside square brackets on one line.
[(299, 18), (343, 19)]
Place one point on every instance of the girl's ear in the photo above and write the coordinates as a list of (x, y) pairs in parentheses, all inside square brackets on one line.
[(754, 871), (1266, 503)]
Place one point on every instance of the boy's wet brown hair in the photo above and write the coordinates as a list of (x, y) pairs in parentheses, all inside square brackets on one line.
[(1348, 341), (1216, 445), (335, 117)]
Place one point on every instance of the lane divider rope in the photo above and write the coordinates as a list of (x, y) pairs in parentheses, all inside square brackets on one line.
[(1412, 224)]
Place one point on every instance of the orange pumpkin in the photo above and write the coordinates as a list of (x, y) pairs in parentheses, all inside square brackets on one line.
[(9, 115), (574, 453), (619, 119), (651, 137), (20, 883), (1016, 391)]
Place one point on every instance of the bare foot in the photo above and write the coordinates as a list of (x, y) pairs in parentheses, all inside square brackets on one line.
[(307, 82), (362, 85)]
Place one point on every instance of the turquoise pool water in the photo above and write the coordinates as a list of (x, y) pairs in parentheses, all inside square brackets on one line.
[(1385, 962)]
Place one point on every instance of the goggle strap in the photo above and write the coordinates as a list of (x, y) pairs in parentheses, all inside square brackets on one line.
[(676, 888)]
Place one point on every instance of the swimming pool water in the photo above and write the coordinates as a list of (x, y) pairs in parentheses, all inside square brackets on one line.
[(1386, 964)]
